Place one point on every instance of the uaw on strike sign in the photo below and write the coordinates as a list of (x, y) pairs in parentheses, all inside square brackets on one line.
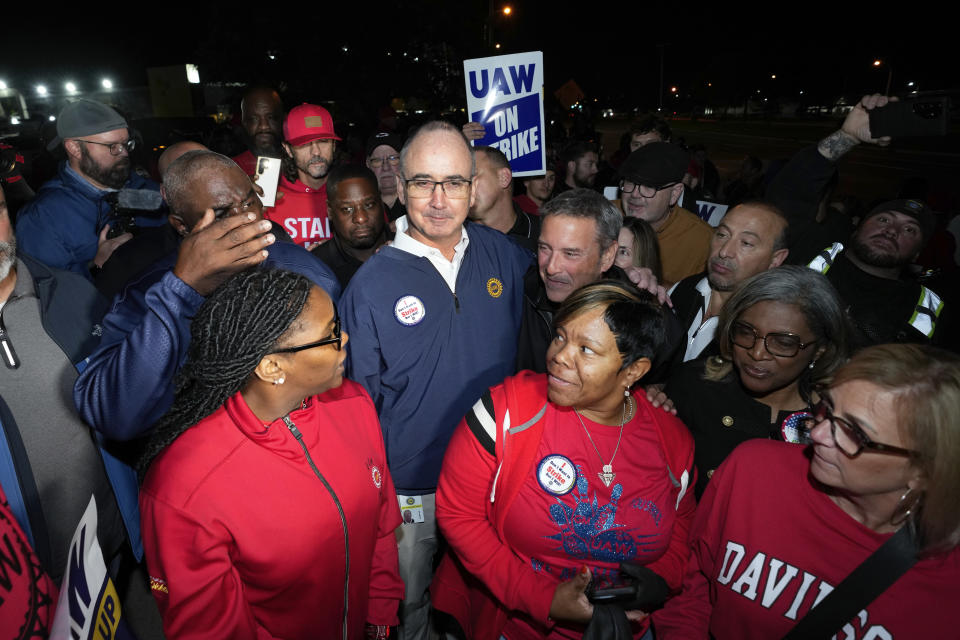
[(505, 94)]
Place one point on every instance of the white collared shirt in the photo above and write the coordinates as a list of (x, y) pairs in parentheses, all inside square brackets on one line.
[(700, 333), (448, 269)]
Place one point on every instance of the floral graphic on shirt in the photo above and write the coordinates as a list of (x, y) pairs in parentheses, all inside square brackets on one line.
[(589, 531)]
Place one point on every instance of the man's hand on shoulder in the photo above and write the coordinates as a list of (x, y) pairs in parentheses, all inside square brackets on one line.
[(216, 249), (643, 279), (855, 129)]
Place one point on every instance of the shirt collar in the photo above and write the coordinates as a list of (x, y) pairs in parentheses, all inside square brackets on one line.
[(405, 242)]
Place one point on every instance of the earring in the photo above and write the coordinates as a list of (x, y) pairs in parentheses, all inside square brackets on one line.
[(626, 392), (812, 364), (279, 380), (904, 508)]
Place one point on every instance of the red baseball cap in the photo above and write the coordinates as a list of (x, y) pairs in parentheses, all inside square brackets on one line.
[(306, 123)]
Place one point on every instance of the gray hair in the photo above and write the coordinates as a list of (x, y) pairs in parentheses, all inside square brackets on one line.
[(586, 203), (184, 170), (432, 127), (803, 288)]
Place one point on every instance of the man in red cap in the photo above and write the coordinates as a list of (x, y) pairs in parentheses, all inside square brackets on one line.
[(308, 148)]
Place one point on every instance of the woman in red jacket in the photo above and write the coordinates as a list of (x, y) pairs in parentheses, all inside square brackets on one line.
[(554, 479), (267, 507)]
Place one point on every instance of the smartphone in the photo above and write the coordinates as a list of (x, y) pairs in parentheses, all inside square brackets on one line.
[(268, 177), (909, 118)]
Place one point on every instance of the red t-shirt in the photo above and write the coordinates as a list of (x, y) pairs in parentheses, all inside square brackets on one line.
[(591, 524), (302, 212)]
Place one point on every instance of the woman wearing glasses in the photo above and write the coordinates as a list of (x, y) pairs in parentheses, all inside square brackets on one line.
[(780, 527), (780, 333), (267, 507)]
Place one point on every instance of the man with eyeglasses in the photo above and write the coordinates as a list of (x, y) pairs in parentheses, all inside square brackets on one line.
[(650, 186), (433, 322), (383, 158), (308, 150), (65, 226)]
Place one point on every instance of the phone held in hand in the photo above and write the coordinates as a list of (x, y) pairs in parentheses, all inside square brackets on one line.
[(909, 118), (268, 177)]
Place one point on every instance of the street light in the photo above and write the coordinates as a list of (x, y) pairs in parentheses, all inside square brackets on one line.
[(106, 83), (41, 90), (507, 10), (3, 85), (877, 63), (70, 87)]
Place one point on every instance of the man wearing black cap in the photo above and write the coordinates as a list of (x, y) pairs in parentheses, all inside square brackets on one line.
[(868, 268), (650, 186), (65, 225), (383, 158), (884, 306)]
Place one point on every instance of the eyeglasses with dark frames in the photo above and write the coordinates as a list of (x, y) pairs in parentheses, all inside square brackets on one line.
[(647, 192), (116, 148), (784, 345), (456, 188), (335, 339), (849, 438)]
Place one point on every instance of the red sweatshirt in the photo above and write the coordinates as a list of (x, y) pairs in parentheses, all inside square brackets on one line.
[(243, 540)]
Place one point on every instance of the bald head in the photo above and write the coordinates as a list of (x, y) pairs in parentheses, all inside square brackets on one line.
[(201, 180), (174, 151), (261, 114)]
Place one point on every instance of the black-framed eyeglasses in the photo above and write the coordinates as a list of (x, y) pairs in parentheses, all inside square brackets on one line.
[(335, 339), (785, 345), (376, 163), (116, 148), (849, 438), (457, 188), (647, 192)]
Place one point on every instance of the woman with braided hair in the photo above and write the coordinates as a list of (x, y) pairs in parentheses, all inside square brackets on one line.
[(267, 507)]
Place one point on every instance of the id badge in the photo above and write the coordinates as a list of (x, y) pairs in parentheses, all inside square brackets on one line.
[(411, 508)]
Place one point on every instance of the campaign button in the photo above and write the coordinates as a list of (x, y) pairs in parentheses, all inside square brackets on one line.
[(409, 310), (556, 474)]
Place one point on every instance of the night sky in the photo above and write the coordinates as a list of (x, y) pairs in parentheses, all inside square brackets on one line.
[(611, 53)]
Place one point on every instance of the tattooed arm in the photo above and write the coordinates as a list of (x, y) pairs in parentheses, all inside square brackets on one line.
[(855, 129)]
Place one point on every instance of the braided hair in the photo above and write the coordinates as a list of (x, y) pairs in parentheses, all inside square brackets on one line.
[(233, 330)]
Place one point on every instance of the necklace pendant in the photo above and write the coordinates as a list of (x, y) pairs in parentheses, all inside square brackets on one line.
[(607, 475)]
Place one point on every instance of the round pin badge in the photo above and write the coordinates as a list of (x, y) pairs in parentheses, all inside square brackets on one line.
[(792, 428), (494, 287), (556, 474), (409, 310)]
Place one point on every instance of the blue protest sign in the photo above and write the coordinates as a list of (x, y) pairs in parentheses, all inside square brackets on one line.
[(505, 94)]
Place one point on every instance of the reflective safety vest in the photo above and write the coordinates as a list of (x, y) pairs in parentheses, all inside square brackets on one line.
[(924, 318), (928, 308), (825, 258)]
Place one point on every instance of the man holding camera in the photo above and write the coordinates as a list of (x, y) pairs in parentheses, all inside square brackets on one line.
[(67, 225)]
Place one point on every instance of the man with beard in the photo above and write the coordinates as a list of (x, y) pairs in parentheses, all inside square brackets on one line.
[(50, 462), (356, 217), (750, 238), (885, 304), (871, 274), (581, 162), (261, 115), (308, 148), (383, 158), (66, 225)]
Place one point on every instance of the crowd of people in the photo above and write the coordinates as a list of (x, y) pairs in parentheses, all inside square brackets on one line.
[(417, 397)]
